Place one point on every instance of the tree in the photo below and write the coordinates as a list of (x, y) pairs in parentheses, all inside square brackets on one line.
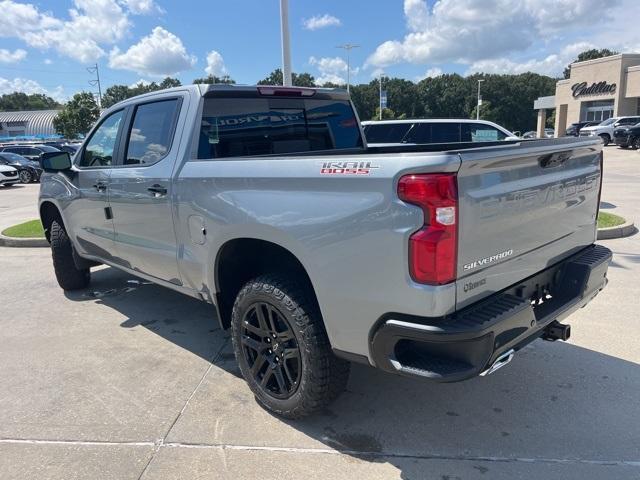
[(387, 114), (117, 93), (21, 101), (298, 80), (212, 79), (589, 55), (77, 116)]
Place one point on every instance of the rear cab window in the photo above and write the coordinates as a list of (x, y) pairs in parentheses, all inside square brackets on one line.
[(259, 125)]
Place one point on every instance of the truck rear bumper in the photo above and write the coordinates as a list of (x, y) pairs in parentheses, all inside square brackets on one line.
[(464, 344)]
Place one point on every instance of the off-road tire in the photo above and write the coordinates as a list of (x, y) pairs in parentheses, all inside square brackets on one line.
[(68, 275), (323, 376)]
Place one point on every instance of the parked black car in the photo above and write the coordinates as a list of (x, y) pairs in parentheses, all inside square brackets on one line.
[(64, 147), (28, 170), (573, 130), (627, 136), (32, 152)]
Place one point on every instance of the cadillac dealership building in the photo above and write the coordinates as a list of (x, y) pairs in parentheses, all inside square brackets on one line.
[(596, 90)]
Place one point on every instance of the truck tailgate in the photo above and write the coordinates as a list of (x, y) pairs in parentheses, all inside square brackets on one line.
[(523, 208)]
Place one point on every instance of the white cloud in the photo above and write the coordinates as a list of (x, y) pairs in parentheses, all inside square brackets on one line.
[(143, 7), (141, 81), (91, 25), (215, 64), (432, 72), (29, 87), (417, 15), (332, 70), (160, 53), (467, 31), (551, 65), (7, 56), (321, 21)]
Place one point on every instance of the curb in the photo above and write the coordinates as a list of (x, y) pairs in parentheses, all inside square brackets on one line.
[(620, 231), (23, 242)]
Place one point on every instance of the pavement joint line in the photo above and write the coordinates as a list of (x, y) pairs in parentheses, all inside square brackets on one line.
[(106, 443), (323, 451), (161, 441)]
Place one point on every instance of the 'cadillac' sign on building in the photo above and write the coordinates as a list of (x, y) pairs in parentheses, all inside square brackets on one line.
[(601, 88)]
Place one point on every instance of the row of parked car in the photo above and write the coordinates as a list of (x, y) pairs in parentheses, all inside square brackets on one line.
[(20, 163), (623, 131)]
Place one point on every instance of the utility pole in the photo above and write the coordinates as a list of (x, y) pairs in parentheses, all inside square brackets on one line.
[(286, 46), (479, 100), (96, 82), (348, 47)]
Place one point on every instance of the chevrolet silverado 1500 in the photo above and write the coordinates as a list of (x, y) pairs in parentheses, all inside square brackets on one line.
[(434, 261)]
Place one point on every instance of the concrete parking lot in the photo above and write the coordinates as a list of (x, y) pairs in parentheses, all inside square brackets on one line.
[(128, 380)]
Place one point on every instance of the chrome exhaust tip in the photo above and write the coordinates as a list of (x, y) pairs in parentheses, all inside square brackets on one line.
[(500, 362)]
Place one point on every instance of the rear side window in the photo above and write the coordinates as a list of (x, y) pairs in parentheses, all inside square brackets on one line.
[(434, 132), (151, 132), (479, 132), (236, 127), (386, 133)]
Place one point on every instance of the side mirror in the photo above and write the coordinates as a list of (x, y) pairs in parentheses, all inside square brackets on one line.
[(55, 161)]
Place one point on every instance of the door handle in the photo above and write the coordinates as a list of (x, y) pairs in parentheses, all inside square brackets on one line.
[(157, 190), (100, 186)]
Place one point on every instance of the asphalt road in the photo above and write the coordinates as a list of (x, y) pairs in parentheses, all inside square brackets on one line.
[(128, 380)]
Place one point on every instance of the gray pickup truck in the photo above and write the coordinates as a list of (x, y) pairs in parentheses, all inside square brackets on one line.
[(435, 261)]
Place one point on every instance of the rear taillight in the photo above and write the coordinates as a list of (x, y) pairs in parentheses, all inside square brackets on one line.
[(433, 248)]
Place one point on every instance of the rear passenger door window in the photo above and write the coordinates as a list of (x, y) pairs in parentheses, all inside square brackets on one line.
[(445, 132), (151, 132)]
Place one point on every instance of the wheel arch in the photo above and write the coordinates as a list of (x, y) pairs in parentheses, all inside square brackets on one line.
[(240, 259), (48, 213)]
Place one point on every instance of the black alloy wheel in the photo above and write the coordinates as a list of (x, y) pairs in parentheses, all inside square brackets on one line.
[(270, 350)]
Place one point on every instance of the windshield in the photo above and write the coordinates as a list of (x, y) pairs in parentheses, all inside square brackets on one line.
[(47, 148), (609, 121)]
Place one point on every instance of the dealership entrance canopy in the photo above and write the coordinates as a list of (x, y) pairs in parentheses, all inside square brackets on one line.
[(596, 90)]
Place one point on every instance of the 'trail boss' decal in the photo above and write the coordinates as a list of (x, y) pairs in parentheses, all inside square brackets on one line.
[(487, 260), (347, 168)]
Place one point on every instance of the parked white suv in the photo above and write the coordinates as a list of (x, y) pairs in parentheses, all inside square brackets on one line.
[(8, 175), (605, 129)]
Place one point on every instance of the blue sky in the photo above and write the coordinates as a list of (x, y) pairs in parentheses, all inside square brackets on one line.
[(47, 46)]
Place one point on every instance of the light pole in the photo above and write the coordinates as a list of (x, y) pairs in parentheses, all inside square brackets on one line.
[(479, 100), (286, 47), (380, 113), (348, 47)]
